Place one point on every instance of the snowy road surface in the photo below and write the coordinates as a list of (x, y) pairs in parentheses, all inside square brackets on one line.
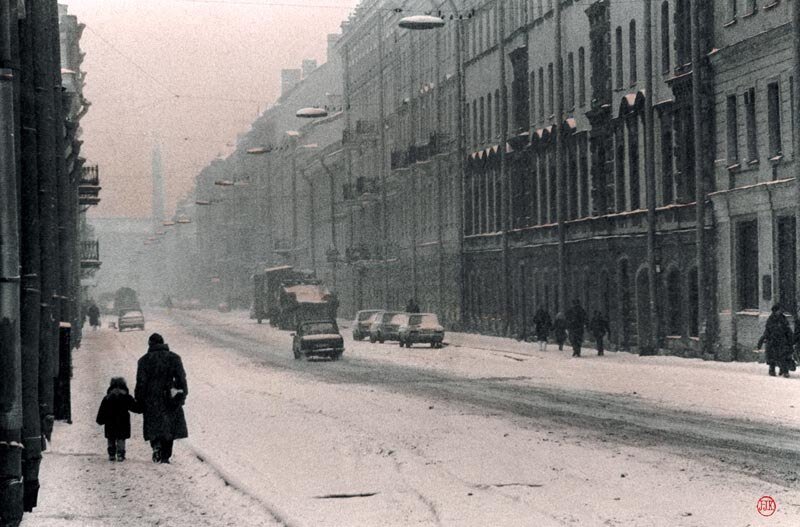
[(485, 432)]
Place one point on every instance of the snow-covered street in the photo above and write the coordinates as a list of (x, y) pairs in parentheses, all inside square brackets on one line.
[(486, 431)]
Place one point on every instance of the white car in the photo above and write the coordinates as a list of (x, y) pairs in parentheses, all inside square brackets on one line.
[(130, 319)]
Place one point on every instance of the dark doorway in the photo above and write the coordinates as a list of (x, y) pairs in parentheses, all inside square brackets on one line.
[(787, 263)]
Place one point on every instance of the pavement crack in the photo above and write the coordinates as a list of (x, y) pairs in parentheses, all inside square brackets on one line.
[(346, 496)]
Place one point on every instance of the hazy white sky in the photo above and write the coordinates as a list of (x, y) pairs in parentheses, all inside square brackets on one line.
[(194, 72)]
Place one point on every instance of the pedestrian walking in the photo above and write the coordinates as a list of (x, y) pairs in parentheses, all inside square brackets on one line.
[(114, 415), (778, 337), (161, 391), (542, 325), (412, 306), (599, 327), (94, 316), (576, 323), (560, 330)]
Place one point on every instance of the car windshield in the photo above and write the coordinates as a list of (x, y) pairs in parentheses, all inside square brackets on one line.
[(387, 317), (399, 319), (318, 328), (365, 315)]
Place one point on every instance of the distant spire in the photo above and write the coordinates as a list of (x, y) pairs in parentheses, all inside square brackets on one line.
[(158, 185)]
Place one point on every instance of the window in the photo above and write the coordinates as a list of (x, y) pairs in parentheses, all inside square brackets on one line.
[(550, 84), (665, 43), (747, 264), (632, 51), (733, 131), (732, 4), (571, 81), (581, 77), (750, 116), (619, 57), (482, 120), (633, 162), (751, 7), (474, 122), (467, 122), (489, 122), (774, 118), (674, 303), (532, 102), (667, 158), (541, 94), (683, 32), (497, 120)]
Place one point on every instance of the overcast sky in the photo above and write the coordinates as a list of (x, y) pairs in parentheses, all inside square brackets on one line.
[(193, 72)]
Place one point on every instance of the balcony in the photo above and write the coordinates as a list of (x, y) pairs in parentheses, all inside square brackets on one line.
[(89, 186), (90, 254)]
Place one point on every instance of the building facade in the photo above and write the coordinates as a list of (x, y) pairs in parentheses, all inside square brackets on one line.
[(519, 207)]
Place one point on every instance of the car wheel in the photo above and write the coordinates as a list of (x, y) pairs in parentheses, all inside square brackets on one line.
[(400, 342), (296, 355), (336, 356), (259, 321), (433, 344), (372, 339)]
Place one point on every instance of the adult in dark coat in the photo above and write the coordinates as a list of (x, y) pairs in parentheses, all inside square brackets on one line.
[(599, 327), (543, 323), (94, 316), (576, 323), (161, 390), (778, 337)]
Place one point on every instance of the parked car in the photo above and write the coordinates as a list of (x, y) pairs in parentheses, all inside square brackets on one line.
[(320, 338), (363, 321), (421, 328), (130, 319), (387, 326)]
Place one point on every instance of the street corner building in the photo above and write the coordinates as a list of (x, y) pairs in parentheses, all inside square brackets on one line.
[(517, 155), (45, 189)]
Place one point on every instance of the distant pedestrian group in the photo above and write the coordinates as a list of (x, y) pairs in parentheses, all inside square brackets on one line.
[(570, 326), (159, 395)]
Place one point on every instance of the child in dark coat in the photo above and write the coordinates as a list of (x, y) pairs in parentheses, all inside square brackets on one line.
[(114, 415)]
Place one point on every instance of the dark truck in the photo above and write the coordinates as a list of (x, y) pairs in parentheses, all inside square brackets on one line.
[(287, 297), (125, 300)]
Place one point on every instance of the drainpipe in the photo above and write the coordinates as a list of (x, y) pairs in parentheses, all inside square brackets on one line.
[(10, 357), (30, 255), (39, 15), (382, 162), (796, 121), (559, 138), (505, 192), (332, 190), (650, 174), (700, 174)]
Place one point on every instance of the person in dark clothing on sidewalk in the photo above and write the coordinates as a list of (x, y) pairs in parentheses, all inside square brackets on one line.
[(600, 328), (161, 391), (114, 415), (94, 316), (576, 323), (542, 323), (560, 330), (412, 306), (778, 337)]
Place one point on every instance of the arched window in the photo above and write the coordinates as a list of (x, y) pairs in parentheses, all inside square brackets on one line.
[(665, 42), (482, 119), (532, 95), (541, 94), (683, 32), (550, 88), (632, 50), (571, 81), (625, 310)]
